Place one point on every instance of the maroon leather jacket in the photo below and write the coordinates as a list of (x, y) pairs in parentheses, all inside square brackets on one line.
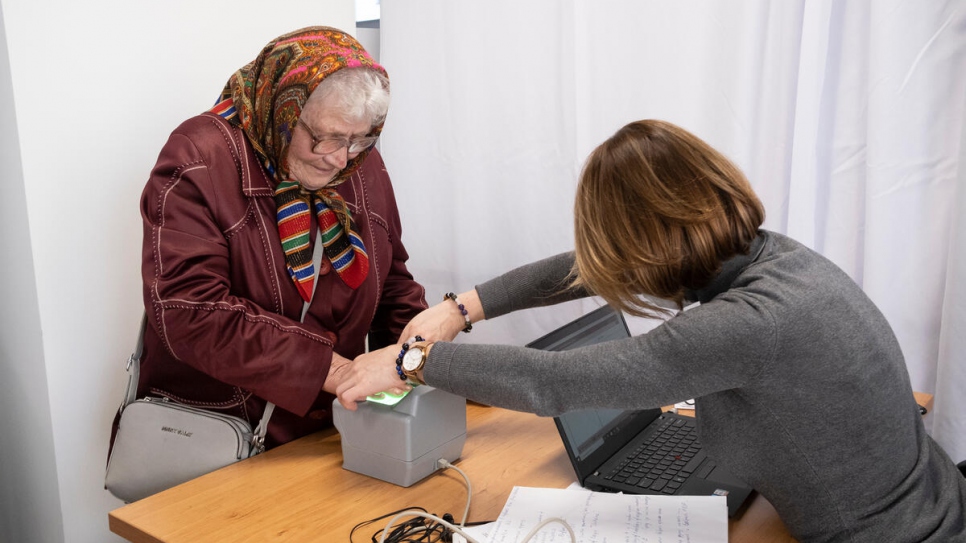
[(224, 330)]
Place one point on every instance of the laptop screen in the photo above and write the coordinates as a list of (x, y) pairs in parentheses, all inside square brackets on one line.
[(587, 430), (601, 324)]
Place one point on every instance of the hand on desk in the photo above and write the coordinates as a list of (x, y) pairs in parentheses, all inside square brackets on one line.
[(369, 374)]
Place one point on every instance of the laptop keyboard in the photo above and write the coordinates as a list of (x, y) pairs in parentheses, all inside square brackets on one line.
[(664, 461)]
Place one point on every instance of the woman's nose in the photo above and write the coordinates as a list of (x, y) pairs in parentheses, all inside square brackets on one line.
[(338, 158)]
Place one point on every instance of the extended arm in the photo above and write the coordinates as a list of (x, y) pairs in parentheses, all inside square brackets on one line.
[(541, 283)]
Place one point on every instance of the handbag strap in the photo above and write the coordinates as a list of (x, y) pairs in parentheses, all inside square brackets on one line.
[(134, 373), (133, 366)]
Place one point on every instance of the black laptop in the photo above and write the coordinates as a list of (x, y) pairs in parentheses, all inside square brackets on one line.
[(635, 451)]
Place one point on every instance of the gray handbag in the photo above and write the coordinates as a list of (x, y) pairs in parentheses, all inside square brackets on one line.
[(161, 443)]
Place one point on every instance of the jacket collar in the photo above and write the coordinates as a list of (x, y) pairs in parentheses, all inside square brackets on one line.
[(256, 182)]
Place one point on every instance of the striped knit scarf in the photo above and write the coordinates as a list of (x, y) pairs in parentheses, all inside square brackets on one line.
[(341, 243)]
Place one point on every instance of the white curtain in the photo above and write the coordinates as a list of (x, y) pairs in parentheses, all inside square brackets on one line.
[(848, 117)]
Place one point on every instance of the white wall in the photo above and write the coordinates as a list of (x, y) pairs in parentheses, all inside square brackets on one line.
[(29, 504), (89, 91)]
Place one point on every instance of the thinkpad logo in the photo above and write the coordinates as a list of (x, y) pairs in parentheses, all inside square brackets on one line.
[(176, 431)]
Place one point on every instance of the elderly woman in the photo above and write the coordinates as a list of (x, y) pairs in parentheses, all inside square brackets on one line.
[(272, 241), (801, 387)]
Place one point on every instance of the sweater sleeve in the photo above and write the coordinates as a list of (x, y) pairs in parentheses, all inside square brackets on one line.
[(718, 346), (541, 283)]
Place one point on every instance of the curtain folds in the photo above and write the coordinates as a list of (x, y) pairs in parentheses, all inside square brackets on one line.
[(848, 118)]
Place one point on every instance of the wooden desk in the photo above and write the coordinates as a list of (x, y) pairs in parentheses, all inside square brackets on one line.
[(299, 492)]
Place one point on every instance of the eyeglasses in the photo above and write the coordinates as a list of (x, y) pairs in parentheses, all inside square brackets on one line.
[(331, 144)]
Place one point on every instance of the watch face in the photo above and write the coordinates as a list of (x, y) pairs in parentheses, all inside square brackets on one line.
[(412, 358)]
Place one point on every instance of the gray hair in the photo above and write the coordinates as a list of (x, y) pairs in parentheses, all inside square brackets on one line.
[(360, 93)]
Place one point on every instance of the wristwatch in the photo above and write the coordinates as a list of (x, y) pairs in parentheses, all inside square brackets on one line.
[(414, 360)]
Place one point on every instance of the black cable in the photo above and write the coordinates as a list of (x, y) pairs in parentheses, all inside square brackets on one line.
[(387, 515), (415, 530)]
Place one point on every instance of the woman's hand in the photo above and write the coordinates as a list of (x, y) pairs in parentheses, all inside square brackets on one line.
[(444, 321), (370, 374), (336, 372)]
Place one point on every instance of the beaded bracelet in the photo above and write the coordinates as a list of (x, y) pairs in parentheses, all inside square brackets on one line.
[(399, 359), (463, 311)]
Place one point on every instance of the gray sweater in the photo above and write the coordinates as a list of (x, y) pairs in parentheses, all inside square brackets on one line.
[(801, 389)]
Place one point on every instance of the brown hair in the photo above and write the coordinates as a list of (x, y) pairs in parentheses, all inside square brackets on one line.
[(657, 211)]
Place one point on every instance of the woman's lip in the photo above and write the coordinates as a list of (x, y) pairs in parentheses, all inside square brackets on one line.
[(324, 169), (326, 174)]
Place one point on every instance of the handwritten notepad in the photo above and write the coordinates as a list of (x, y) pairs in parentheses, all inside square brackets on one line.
[(597, 517)]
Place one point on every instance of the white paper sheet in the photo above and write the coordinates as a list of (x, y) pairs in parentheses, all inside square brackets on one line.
[(597, 517)]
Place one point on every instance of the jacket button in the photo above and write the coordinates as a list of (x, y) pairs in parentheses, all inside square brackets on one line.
[(325, 267), (331, 336), (318, 414)]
